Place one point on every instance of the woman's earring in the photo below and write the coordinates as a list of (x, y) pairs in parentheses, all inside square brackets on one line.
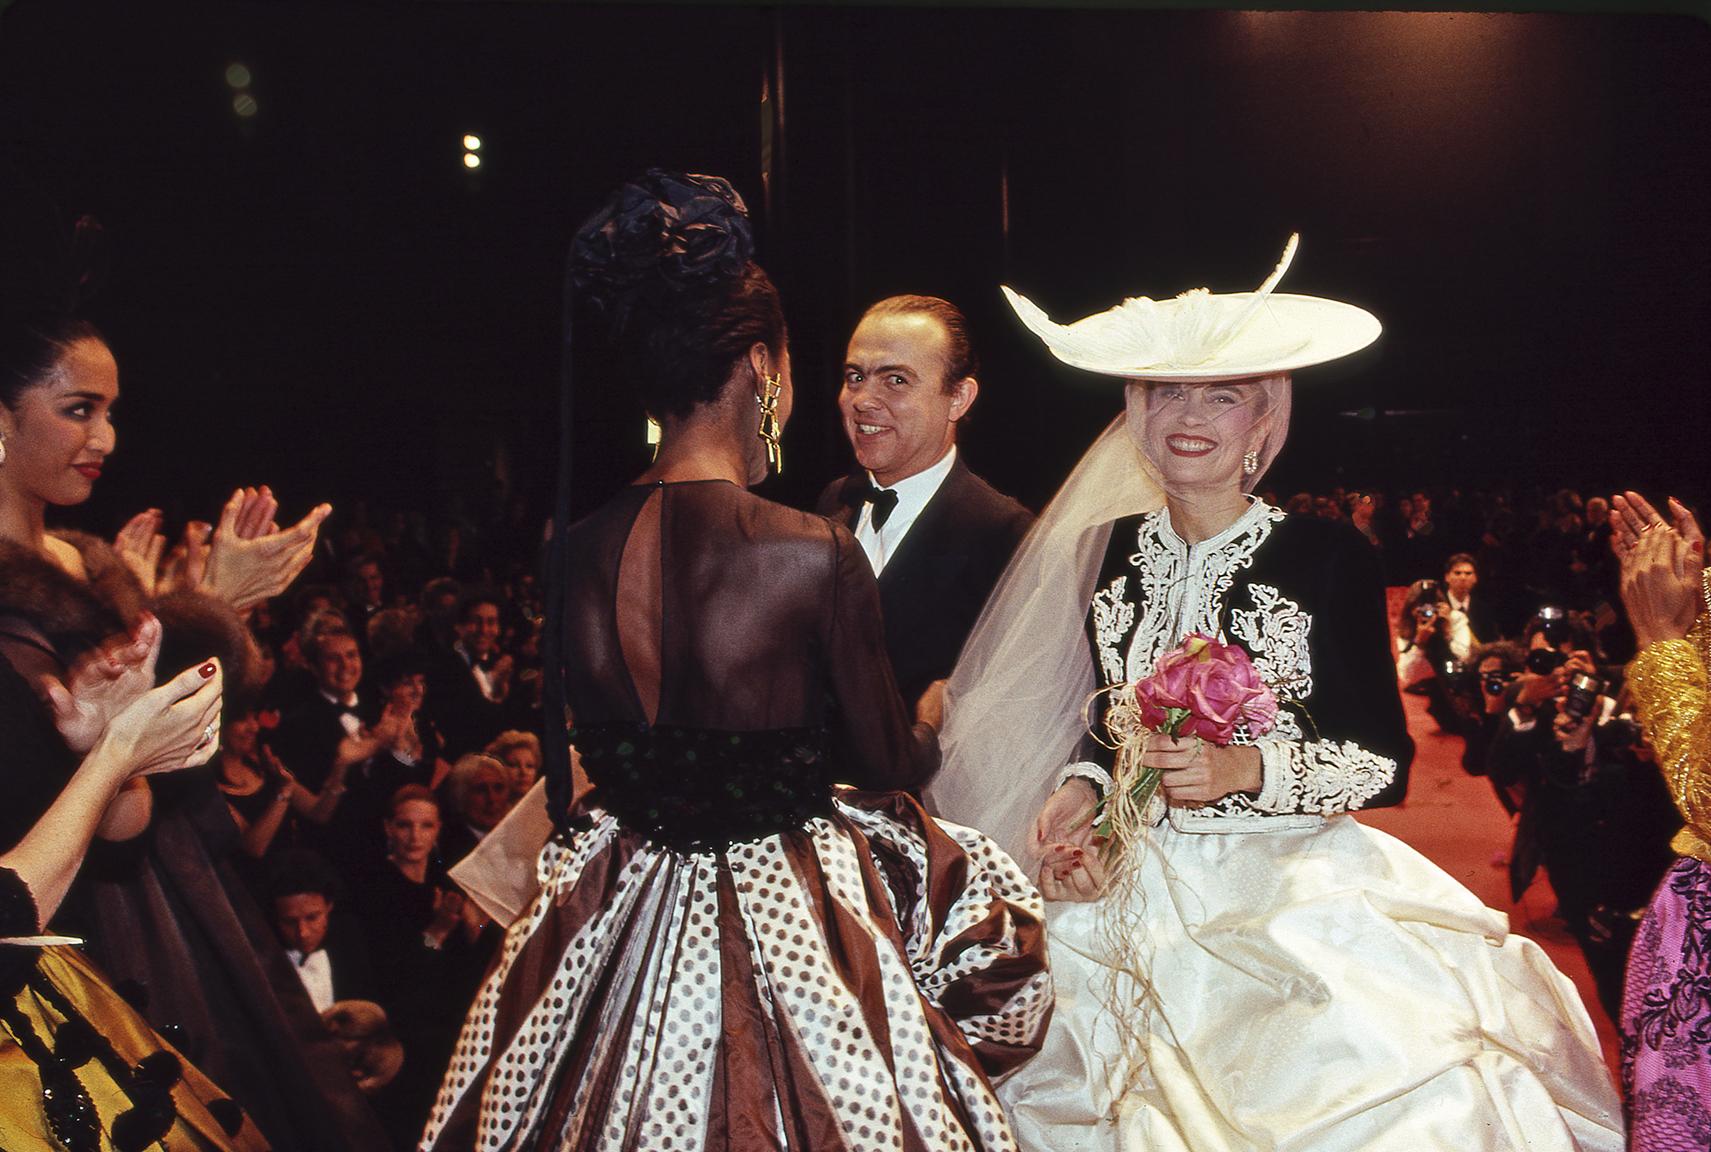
[(1250, 463), (769, 428)]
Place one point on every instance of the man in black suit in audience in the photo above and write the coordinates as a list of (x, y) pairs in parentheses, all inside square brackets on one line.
[(469, 685), (937, 535), (1461, 577), (328, 954), (309, 734)]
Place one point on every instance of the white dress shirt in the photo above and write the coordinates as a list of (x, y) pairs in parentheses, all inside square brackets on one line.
[(1461, 636), (347, 718), (316, 972), (913, 493), (483, 678)]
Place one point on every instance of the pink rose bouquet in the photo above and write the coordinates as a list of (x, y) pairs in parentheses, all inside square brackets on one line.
[(1204, 688)]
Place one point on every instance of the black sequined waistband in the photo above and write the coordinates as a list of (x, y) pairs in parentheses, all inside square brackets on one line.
[(702, 789)]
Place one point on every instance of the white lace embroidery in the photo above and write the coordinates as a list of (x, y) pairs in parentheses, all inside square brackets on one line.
[(1112, 618), (1194, 580), (1084, 770), (1275, 632), (1322, 776)]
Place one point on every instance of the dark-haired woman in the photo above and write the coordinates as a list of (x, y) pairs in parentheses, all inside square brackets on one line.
[(164, 913), (726, 951)]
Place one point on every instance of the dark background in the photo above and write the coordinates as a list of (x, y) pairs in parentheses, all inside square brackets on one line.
[(323, 298)]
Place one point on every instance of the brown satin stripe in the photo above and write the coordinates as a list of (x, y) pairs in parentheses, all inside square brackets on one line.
[(743, 1113)]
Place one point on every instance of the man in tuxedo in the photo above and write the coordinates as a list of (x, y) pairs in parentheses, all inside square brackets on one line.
[(1461, 577), (937, 535), (329, 958), (468, 686), (309, 734)]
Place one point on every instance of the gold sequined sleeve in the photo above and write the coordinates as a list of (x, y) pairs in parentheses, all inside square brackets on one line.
[(1669, 683)]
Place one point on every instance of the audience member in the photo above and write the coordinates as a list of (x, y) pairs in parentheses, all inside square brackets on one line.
[(428, 950), (520, 752), (480, 791), (469, 686)]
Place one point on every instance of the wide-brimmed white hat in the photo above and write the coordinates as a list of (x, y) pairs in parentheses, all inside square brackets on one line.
[(1205, 336)]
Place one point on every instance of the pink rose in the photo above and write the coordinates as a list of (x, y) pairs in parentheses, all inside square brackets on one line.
[(1212, 688)]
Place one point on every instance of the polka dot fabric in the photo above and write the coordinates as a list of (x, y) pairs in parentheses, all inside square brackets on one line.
[(786, 992)]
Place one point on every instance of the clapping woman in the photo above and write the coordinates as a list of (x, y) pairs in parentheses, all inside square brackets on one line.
[(164, 914), (1666, 1015)]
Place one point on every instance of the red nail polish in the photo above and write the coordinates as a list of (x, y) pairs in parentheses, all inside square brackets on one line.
[(207, 670)]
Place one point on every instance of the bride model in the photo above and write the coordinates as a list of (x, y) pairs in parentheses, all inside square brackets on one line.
[(1241, 965)]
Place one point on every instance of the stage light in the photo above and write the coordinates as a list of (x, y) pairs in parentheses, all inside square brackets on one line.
[(237, 76), (472, 143), (244, 105), (471, 160)]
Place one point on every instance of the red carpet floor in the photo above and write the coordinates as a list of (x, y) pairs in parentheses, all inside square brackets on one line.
[(1453, 819)]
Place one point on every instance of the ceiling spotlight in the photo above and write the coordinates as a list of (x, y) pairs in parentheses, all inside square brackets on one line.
[(471, 160), (472, 143), (244, 105), (237, 76)]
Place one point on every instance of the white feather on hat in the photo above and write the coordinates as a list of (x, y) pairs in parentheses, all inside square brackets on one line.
[(1206, 336)]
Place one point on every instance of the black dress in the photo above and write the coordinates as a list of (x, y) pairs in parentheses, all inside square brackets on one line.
[(727, 951)]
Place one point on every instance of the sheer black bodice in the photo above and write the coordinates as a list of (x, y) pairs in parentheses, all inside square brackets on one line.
[(699, 607)]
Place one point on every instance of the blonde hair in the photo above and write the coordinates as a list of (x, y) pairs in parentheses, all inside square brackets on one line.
[(510, 740)]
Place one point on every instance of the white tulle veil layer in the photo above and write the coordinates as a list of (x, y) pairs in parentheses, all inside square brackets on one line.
[(1015, 706)]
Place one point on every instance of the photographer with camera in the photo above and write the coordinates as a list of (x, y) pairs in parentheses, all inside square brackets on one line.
[(1432, 647), (1482, 700), (1591, 809)]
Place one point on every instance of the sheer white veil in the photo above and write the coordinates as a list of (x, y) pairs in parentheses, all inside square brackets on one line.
[(1015, 705)]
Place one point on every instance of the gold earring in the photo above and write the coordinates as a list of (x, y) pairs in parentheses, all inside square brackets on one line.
[(1250, 463), (769, 429)]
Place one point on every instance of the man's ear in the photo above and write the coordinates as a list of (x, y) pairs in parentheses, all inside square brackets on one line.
[(962, 397)]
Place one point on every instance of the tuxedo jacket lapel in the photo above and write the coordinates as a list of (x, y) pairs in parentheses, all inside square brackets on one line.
[(907, 564)]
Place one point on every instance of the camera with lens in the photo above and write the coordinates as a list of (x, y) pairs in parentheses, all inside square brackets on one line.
[(1495, 683), (1544, 661), (1582, 695)]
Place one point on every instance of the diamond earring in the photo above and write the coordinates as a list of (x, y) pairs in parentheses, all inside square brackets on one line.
[(1250, 463)]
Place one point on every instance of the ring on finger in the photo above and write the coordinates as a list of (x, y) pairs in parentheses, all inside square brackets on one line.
[(207, 737)]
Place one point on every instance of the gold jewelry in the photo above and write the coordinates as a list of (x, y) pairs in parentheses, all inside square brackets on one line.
[(769, 428), (1250, 463)]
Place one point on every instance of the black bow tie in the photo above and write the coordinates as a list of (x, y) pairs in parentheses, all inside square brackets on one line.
[(882, 499)]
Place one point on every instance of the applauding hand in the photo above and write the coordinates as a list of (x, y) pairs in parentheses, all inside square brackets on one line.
[(1661, 565), (250, 559), (167, 728), (102, 685), (140, 544)]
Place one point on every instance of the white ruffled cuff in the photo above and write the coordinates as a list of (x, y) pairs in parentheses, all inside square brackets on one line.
[(1089, 771)]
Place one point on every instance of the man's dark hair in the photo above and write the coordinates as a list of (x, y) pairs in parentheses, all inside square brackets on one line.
[(960, 359), (1460, 558), (301, 871), (474, 599)]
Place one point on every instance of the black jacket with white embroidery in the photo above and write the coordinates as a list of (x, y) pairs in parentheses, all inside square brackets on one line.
[(1305, 598)]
